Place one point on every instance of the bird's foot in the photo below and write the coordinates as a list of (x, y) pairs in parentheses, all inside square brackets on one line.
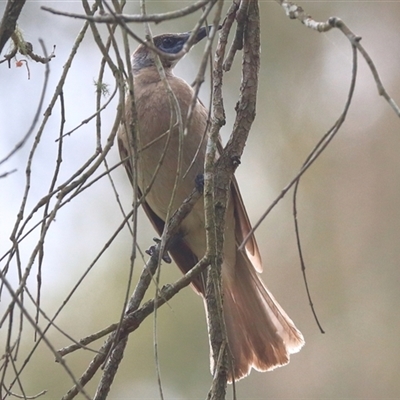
[(152, 250), (199, 182)]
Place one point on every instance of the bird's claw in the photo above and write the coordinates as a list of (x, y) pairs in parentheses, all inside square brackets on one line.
[(151, 251), (199, 182)]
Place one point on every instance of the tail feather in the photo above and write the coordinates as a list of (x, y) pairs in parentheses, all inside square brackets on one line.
[(260, 333)]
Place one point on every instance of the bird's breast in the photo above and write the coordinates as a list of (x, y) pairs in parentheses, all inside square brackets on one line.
[(168, 161)]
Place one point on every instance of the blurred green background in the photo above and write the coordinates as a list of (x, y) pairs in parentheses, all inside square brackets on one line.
[(348, 210)]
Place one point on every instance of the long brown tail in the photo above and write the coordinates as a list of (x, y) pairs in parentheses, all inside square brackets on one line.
[(260, 333)]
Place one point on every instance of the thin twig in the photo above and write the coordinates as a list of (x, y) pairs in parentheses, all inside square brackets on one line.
[(38, 112), (134, 315), (295, 12), (112, 19), (238, 10), (319, 148), (31, 320)]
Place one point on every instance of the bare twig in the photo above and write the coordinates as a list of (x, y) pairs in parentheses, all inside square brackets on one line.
[(295, 12), (19, 231), (94, 115), (322, 144), (25, 397), (239, 10), (5, 174), (111, 19), (22, 142), (17, 301), (134, 315)]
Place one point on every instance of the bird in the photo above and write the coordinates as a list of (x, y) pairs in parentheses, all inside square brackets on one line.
[(260, 333)]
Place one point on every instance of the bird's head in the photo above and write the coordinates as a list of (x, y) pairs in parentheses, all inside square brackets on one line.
[(170, 44)]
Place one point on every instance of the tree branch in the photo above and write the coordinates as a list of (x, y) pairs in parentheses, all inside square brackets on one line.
[(9, 21)]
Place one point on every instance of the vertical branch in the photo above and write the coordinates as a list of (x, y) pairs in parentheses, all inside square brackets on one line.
[(218, 177), (246, 107), (214, 227)]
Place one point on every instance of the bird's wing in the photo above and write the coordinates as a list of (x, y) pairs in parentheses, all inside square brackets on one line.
[(243, 227), (184, 258)]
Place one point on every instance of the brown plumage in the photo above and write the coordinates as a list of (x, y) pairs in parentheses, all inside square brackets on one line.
[(260, 333)]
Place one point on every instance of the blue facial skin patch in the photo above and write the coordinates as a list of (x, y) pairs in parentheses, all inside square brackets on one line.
[(172, 44)]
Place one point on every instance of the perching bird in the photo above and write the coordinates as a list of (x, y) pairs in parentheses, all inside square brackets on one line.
[(260, 333)]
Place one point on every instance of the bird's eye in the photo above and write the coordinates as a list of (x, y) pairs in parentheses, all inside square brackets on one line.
[(168, 42)]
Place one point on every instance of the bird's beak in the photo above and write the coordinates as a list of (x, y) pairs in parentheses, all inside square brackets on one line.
[(203, 32)]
